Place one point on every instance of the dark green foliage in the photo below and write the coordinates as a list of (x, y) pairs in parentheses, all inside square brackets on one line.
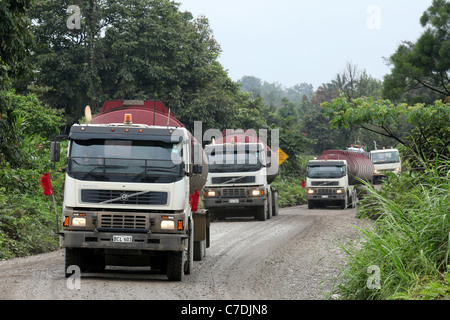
[(420, 70)]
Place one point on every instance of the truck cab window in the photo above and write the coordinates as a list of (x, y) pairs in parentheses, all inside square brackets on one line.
[(326, 171), (124, 160)]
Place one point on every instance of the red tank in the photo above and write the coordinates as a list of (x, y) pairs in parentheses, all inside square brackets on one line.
[(360, 167), (143, 112)]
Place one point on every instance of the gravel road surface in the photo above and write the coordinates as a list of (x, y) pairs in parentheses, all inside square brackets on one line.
[(293, 256)]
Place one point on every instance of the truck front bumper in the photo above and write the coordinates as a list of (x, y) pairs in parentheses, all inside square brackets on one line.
[(139, 241), (325, 197), (233, 203)]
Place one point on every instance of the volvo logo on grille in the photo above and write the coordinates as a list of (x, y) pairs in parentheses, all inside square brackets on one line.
[(124, 197)]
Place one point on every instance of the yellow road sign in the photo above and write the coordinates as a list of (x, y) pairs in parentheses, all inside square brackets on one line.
[(281, 156)]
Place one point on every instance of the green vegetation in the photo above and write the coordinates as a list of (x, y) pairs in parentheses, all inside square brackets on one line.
[(27, 217), (409, 241)]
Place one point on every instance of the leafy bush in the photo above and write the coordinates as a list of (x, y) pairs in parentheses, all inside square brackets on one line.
[(27, 217), (290, 191), (289, 181)]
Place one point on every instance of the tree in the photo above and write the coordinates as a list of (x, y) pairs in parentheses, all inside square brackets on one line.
[(130, 49), (354, 83), (429, 134), (421, 70), (15, 39)]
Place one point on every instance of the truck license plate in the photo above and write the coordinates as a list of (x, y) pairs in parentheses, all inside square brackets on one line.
[(123, 239), (233, 201), (325, 196)]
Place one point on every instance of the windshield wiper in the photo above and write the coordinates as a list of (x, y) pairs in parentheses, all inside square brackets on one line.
[(102, 167)]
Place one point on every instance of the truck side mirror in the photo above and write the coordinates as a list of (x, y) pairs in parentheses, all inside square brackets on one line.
[(54, 151), (197, 168)]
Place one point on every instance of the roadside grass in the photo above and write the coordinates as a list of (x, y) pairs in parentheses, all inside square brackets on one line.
[(405, 255)]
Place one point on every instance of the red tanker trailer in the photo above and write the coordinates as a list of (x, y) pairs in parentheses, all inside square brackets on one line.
[(335, 176)]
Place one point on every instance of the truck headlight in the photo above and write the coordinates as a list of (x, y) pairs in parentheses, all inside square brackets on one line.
[(376, 171), (210, 193), (397, 170), (257, 192), (310, 191), (79, 222), (167, 224), (340, 190)]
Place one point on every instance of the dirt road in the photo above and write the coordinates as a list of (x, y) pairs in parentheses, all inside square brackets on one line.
[(290, 256)]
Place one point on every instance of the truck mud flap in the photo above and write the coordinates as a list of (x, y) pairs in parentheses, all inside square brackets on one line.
[(201, 233)]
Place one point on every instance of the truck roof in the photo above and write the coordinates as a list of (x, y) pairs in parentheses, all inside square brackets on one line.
[(331, 162), (127, 132), (383, 150)]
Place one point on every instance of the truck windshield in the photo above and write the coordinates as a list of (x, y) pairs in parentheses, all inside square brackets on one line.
[(234, 161), (326, 171), (125, 161), (385, 157)]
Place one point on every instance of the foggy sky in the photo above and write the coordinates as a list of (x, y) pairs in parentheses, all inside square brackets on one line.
[(295, 41)]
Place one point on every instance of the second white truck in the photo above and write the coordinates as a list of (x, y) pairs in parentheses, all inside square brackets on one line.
[(241, 169)]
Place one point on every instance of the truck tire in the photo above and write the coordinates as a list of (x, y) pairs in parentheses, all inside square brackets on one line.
[(175, 265), (310, 204), (344, 203), (199, 250), (190, 253), (354, 199), (261, 213), (72, 257), (274, 203)]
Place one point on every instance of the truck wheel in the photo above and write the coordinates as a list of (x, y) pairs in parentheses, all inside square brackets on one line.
[(310, 204), (190, 253), (354, 199), (344, 203), (199, 250), (72, 257), (261, 213), (175, 265), (275, 203)]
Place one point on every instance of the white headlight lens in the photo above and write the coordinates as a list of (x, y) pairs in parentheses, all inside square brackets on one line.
[(168, 224), (79, 222), (211, 193), (310, 191)]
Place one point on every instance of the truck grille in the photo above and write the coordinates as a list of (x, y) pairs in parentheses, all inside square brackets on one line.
[(325, 191), (123, 221), (124, 197), (233, 192)]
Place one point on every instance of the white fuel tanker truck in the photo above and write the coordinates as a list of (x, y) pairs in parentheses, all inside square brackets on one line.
[(335, 177), (129, 182), (241, 169)]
